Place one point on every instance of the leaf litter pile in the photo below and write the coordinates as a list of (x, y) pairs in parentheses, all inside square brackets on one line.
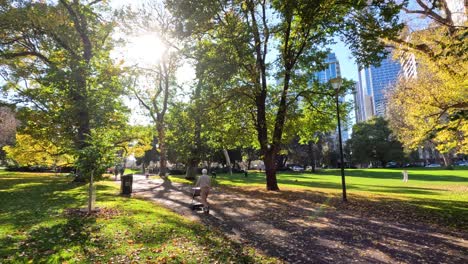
[(106, 213)]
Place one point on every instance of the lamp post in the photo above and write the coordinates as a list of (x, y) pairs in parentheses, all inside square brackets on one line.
[(336, 84)]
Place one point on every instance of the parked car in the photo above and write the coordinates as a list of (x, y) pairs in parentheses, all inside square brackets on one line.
[(433, 165), (391, 164), (297, 168), (461, 163)]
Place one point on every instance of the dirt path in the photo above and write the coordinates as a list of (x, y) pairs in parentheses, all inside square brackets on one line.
[(300, 227)]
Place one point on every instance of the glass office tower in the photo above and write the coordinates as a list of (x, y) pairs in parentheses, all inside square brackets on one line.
[(374, 84)]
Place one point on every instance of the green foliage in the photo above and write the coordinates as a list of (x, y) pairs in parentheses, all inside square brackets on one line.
[(373, 141), (55, 58), (431, 108), (181, 134), (98, 155)]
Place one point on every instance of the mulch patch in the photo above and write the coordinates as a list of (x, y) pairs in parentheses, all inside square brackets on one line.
[(105, 213)]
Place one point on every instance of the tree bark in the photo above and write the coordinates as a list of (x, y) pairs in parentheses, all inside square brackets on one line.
[(191, 171), (228, 160), (447, 159), (312, 156), (162, 146), (270, 170), (81, 107)]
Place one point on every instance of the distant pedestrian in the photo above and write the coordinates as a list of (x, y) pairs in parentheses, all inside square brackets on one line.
[(204, 182), (405, 176), (116, 171)]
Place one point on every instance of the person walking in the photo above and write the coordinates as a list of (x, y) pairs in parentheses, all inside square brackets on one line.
[(204, 182)]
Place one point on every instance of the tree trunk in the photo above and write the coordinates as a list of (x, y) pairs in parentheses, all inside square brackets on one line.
[(194, 158), (228, 160), (191, 172), (81, 107), (270, 169), (312, 156), (447, 159), (285, 160), (162, 147)]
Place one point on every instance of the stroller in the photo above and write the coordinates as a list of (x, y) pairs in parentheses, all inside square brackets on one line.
[(194, 205)]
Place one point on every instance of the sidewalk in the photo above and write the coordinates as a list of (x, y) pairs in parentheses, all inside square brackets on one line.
[(296, 228)]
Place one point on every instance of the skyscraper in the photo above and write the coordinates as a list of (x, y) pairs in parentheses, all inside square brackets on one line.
[(332, 71), (374, 83)]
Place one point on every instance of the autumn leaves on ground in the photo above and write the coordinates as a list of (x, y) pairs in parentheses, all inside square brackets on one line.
[(36, 222)]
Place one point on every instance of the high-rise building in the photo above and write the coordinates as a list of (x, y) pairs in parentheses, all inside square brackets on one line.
[(332, 71), (374, 84)]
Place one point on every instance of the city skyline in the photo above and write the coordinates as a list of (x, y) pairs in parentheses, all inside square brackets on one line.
[(373, 86)]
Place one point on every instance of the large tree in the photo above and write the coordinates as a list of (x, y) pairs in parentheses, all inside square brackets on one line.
[(155, 83), (55, 57), (432, 106), (249, 35), (373, 141)]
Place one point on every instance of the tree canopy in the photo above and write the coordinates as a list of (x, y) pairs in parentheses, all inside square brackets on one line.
[(268, 50), (373, 141), (55, 57)]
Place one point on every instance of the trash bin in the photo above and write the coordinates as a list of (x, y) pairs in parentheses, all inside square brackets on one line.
[(126, 184)]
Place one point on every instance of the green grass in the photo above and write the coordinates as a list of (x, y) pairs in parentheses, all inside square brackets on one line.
[(35, 228), (435, 191), (132, 171)]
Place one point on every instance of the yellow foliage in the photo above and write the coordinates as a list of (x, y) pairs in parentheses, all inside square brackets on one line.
[(28, 151), (431, 108), (434, 106)]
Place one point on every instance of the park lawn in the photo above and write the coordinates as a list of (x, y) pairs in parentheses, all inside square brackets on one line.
[(438, 194), (35, 227)]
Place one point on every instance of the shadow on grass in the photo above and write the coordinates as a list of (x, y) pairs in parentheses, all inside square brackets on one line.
[(36, 229), (29, 200), (56, 243), (44, 198)]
